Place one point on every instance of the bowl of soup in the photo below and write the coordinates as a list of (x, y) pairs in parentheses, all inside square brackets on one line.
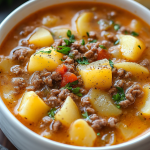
[(75, 75)]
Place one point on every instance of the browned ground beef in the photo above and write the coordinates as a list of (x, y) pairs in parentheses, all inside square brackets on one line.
[(19, 84), (145, 63), (27, 30), (56, 126), (99, 123), (20, 54), (17, 70)]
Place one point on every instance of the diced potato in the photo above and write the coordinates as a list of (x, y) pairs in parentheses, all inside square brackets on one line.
[(61, 32), (32, 107), (68, 113), (5, 65), (102, 103), (50, 20), (97, 74), (131, 47), (146, 108), (115, 51), (83, 23), (41, 60), (126, 132), (81, 133), (134, 68), (41, 38), (135, 25)]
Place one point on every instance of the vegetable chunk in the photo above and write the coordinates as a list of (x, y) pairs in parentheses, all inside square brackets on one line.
[(131, 47), (50, 20), (97, 74), (83, 23), (146, 108), (134, 68), (41, 38), (82, 134), (32, 107), (68, 113), (47, 58), (102, 103)]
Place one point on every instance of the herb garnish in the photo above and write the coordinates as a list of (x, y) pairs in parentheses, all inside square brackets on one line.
[(86, 116), (71, 36), (126, 32), (120, 96), (93, 41), (117, 42), (65, 50), (139, 46), (83, 61), (111, 64), (102, 46), (83, 42), (134, 33), (68, 42), (52, 112), (98, 134), (87, 34), (62, 59), (73, 90), (46, 52), (116, 27)]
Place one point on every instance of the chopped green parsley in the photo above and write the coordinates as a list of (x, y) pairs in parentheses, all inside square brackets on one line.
[(102, 46), (111, 64), (52, 112), (83, 61), (86, 116)]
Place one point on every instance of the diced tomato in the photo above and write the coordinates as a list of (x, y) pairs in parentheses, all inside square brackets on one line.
[(68, 77), (103, 54), (62, 69)]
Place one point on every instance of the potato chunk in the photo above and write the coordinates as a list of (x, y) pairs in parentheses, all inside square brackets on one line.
[(60, 32), (44, 60), (41, 38), (68, 113), (102, 103), (83, 23), (134, 68), (32, 107), (146, 108), (5, 65), (81, 133), (97, 74), (50, 20), (131, 47), (126, 132), (135, 25)]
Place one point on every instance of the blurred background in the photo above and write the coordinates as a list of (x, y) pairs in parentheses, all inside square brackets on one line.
[(6, 7)]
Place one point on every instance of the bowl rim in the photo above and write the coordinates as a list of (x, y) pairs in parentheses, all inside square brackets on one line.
[(41, 139)]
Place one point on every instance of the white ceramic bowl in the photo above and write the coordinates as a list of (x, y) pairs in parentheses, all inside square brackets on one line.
[(17, 133)]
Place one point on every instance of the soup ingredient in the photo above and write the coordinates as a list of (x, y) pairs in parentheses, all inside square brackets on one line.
[(45, 59), (83, 23), (126, 132), (64, 50), (68, 77), (146, 108), (41, 38), (61, 32), (102, 54), (73, 90), (50, 20), (97, 74), (81, 133), (51, 113), (120, 96), (129, 47), (86, 116), (32, 107), (103, 104), (68, 113), (135, 25), (83, 61), (5, 65), (136, 69)]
